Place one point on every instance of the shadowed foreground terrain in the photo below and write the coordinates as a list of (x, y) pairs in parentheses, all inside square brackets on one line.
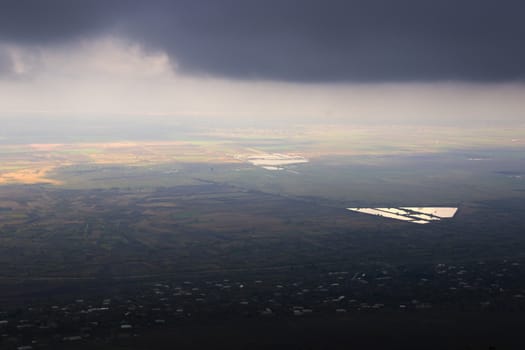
[(229, 255)]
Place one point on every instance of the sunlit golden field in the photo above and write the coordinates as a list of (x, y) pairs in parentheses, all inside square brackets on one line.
[(34, 163)]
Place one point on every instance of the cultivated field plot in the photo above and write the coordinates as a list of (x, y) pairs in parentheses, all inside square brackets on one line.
[(38, 163), (416, 215)]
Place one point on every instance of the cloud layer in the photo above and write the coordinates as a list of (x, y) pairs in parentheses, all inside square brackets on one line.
[(109, 77), (294, 40)]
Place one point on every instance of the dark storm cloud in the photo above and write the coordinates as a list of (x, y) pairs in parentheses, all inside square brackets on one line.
[(298, 40), (45, 22)]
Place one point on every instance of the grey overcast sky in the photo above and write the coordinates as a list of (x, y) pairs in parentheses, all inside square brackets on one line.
[(202, 56), (297, 40)]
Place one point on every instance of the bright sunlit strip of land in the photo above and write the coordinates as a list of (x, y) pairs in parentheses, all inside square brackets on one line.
[(440, 212), (415, 215), (272, 161)]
